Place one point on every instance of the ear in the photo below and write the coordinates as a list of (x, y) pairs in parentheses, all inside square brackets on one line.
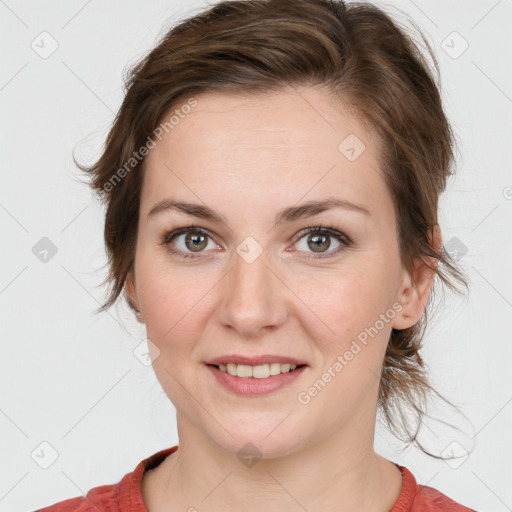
[(416, 287), (131, 294)]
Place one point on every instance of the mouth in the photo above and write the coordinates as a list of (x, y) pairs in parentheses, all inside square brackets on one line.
[(256, 380)]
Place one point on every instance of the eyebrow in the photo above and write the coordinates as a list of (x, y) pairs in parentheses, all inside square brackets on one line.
[(289, 214)]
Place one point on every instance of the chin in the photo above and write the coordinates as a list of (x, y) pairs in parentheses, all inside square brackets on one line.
[(256, 443)]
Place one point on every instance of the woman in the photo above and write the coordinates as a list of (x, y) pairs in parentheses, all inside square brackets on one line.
[(272, 183)]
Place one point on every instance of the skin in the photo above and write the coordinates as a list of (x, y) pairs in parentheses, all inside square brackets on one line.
[(225, 154)]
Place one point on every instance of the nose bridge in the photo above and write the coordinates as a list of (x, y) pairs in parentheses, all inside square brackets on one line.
[(251, 296), (250, 268)]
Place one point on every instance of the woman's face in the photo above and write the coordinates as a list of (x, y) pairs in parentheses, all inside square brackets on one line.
[(248, 285)]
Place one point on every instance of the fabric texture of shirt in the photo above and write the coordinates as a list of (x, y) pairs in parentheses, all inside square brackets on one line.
[(126, 496)]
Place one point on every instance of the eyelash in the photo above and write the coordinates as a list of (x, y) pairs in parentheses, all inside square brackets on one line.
[(324, 230)]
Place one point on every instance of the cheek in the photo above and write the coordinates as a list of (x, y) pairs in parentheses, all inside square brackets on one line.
[(349, 301), (174, 302), (353, 335)]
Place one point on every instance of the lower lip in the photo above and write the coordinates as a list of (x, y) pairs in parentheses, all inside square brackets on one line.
[(251, 386)]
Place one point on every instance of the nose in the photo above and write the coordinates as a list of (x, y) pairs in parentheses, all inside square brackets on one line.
[(254, 296)]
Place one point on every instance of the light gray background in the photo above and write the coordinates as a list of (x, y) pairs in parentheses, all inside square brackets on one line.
[(71, 379)]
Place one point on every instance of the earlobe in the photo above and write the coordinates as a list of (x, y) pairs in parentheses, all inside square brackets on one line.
[(417, 286), (130, 286), (131, 294)]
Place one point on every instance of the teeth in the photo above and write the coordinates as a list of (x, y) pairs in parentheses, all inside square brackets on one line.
[(258, 372), (275, 368), (261, 371)]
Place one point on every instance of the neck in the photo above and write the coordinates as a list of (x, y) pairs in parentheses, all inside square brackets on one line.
[(340, 472)]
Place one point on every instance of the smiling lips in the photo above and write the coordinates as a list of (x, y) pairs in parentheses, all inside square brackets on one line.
[(254, 386), (255, 375)]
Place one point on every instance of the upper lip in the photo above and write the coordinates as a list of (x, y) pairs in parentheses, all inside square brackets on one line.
[(254, 361)]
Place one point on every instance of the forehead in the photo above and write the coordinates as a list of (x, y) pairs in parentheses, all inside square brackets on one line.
[(286, 145)]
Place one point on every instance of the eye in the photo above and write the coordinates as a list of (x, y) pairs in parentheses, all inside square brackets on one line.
[(194, 241), (318, 241)]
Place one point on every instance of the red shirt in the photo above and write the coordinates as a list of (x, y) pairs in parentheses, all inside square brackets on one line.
[(125, 496)]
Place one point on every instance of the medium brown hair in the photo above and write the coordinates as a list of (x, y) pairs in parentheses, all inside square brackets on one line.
[(354, 50)]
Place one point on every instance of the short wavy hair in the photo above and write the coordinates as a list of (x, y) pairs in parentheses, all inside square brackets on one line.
[(354, 50)]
